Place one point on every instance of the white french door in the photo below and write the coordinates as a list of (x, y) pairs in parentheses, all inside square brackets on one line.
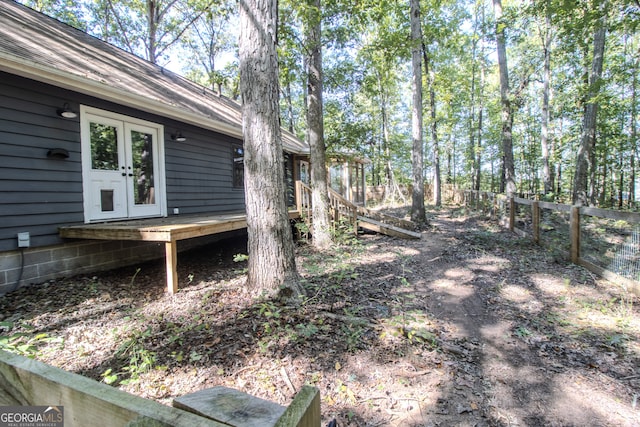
[(122, 162)]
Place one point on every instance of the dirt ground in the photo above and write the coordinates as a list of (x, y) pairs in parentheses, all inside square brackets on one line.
[(469, 326)]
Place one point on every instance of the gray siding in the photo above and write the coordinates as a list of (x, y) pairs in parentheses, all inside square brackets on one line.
[(38, 194), (199, 173)]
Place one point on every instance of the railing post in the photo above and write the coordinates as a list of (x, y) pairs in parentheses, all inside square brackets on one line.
[(535, 218), (574, 230), (512, 213), (299, 196), (354, 219)]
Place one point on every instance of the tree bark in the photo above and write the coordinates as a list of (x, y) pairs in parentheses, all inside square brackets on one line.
[(547, 176), (585, 150), (418, 214), (505, 97), (634, 134), (437, 175), (271, 266), (321, 231)]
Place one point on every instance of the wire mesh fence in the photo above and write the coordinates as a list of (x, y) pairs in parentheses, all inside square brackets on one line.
[(611, 244), (604, 241)]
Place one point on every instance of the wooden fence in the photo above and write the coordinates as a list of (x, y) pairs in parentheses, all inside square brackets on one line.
[(506, 212), (342, 210), (27, 382)]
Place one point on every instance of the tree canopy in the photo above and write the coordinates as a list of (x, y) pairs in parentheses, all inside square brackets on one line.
[(559, 146)]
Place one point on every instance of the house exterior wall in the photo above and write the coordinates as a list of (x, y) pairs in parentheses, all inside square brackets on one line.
[(39, 194)]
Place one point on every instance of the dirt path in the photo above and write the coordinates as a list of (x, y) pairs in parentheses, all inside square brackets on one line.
[(528, 360), (469, 326)]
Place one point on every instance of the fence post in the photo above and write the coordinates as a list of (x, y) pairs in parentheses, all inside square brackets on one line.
[(512, 214), (535, 218), (574, 227)]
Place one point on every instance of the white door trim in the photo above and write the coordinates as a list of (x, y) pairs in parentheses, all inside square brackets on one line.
[(125, 124)]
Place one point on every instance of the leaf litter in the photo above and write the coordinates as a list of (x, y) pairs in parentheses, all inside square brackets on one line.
[(469, 326)]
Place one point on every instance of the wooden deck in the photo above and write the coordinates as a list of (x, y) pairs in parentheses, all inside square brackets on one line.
[(168, 230)]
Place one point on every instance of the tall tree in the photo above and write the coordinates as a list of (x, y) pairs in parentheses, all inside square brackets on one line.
[(68, 11), (271, 264), (437, 178), (148, 28), (204, 43), (315, 129), (586, 150), (417, 153), (546, 35), (505, 98)]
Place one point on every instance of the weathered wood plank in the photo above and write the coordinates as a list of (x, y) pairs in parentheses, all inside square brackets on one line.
[(171, 261), (86, 402), (555, 206), (574, 231), (231, 407), (535, 219), (631, 217), (304, 411), (521, 201), (631, 285), (388, 219), (391, 230)]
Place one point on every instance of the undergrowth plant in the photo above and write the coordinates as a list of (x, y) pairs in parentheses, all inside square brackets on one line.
[(139, 360), (23, 343)]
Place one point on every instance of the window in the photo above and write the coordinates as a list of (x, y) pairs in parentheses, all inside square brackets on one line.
[(238, 167)]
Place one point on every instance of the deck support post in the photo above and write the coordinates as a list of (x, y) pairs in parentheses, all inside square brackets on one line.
[(171, 255)]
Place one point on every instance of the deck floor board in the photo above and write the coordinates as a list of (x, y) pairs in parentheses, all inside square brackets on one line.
[(168, 230)]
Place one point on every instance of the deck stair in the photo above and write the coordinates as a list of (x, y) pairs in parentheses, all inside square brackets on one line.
[(360, 217)]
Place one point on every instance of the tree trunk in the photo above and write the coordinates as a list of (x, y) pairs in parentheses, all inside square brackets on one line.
[(271, 256), (634, 134), (153, 27), (505, 97), (315, 131), (475, 130), (587, 144), (478, 149), (547, 176), (417, 153), (437, 179), (290, 119)]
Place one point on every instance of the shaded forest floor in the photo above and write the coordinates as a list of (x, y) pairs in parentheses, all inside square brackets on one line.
[(469, 326)]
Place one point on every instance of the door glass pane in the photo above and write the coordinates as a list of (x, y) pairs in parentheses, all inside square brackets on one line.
[(104, 147), (143, 186), (304, 172), (238, 167)]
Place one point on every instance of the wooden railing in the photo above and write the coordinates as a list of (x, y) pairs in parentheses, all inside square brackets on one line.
[(342, 210), (339, 207), (85, 402), (303, 200)]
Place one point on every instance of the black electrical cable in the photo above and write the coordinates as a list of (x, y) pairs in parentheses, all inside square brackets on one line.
[(17, 283)]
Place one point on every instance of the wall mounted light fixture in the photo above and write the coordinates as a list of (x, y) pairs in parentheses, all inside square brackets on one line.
[(178, 137), (58, 153), (67, 112)]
